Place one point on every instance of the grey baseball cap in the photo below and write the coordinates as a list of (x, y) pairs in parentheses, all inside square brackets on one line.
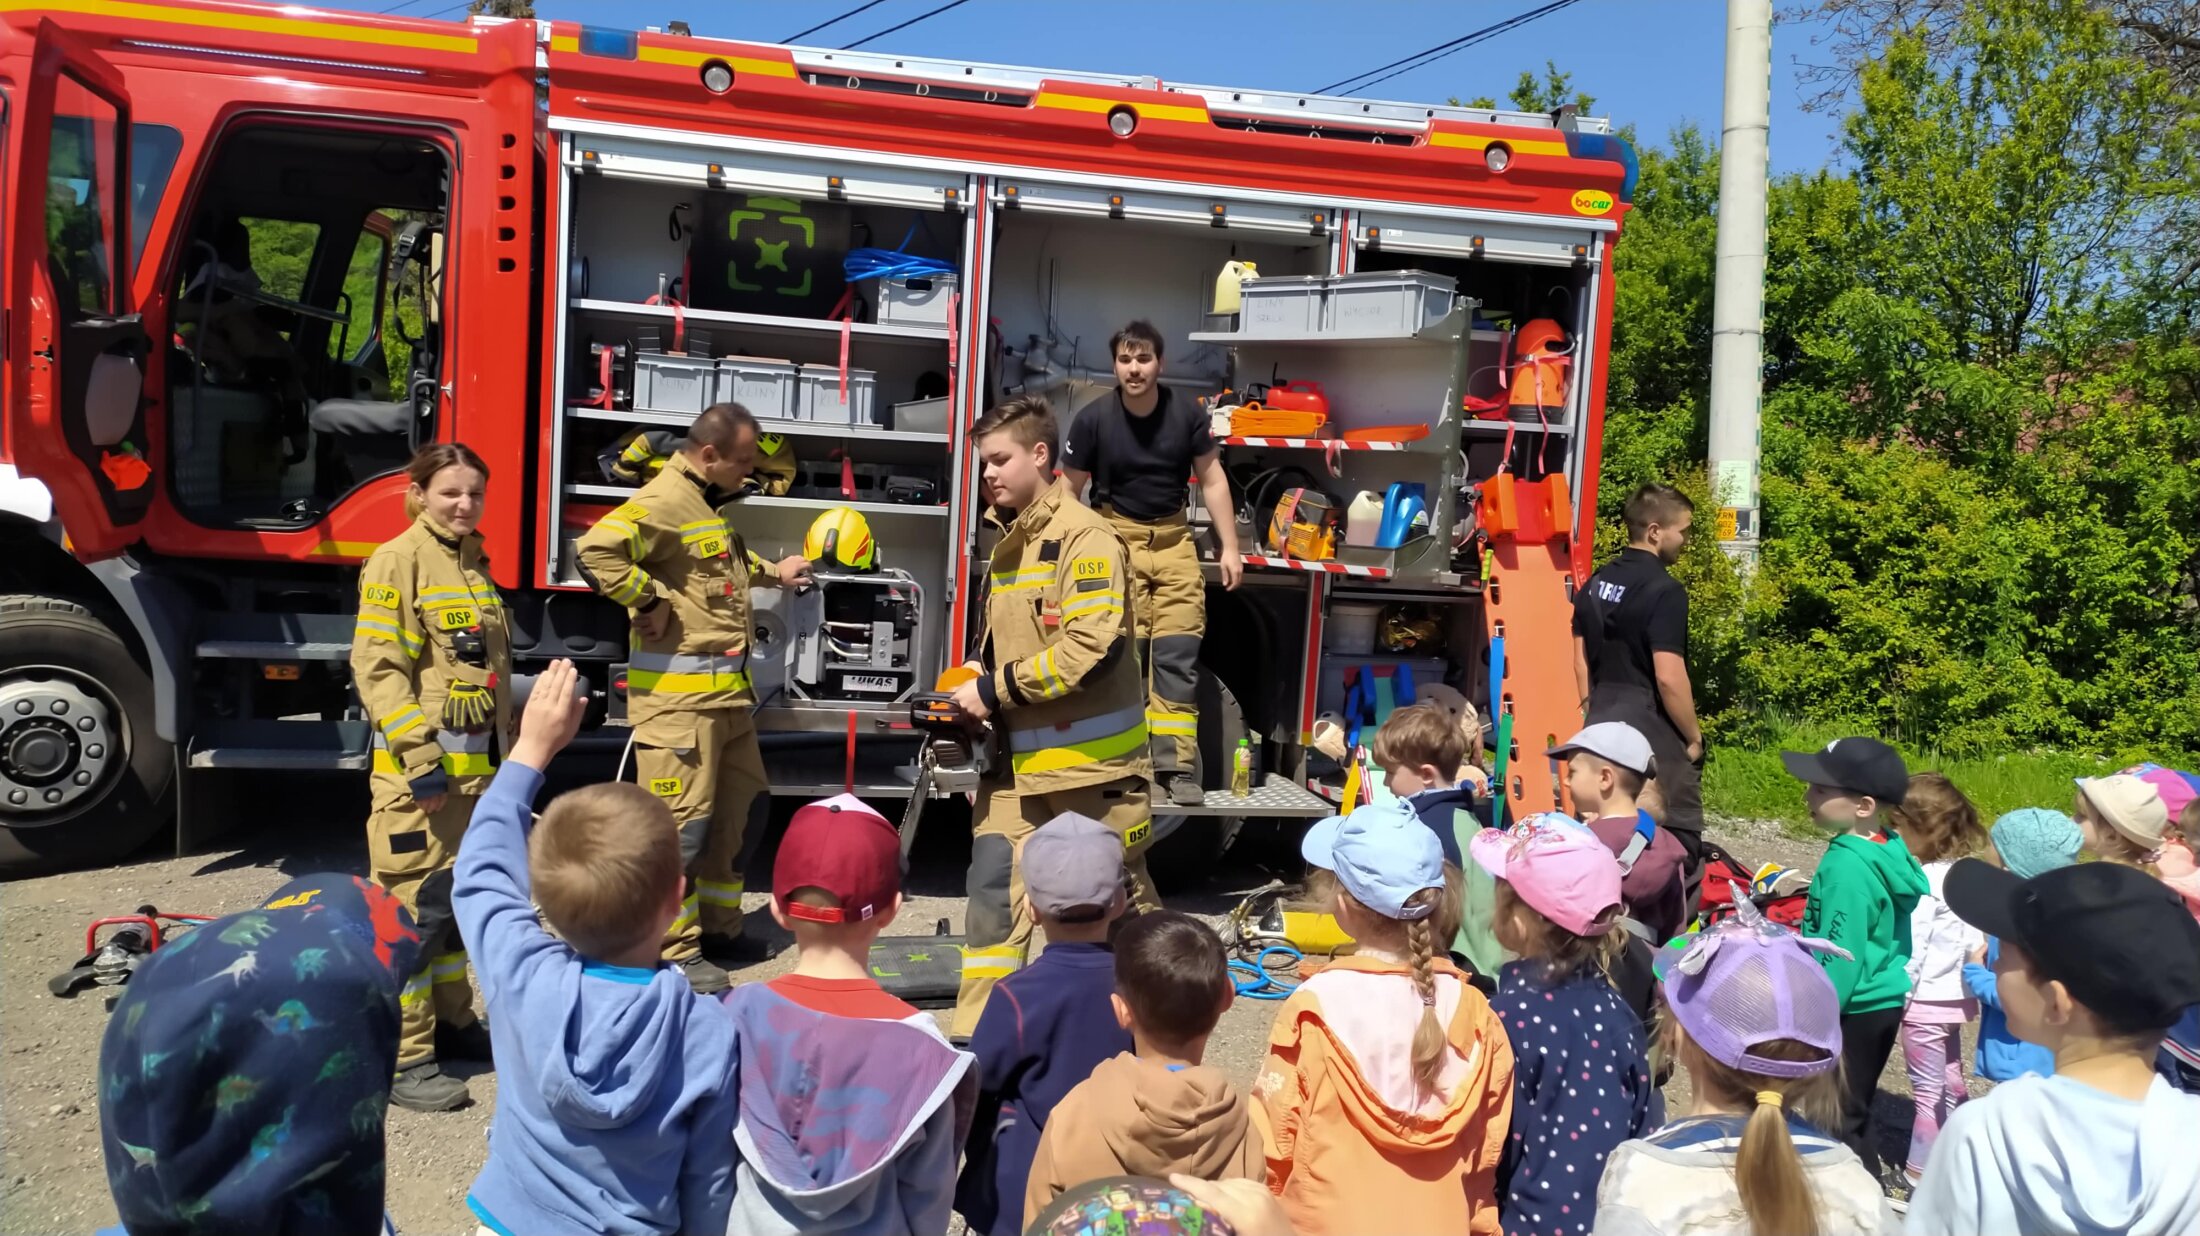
[(1072, 861), (1616, 741)]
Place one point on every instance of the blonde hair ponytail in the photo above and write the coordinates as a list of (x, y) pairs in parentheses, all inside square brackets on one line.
[(1768, 1171), (1429, 1043)]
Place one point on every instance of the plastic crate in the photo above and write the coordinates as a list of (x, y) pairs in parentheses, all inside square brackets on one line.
[(665, 383), (818, 396), (1282, 308), (921, 416), (915, 300), (1388, 303), (765, 387)]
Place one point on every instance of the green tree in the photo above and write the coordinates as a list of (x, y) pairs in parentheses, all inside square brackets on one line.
[(519, 10), (1539, 94)]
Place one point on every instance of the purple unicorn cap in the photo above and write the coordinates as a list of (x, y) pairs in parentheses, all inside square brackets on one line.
[(1747, 982)]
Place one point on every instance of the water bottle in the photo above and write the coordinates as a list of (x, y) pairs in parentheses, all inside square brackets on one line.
[(1241, 771)]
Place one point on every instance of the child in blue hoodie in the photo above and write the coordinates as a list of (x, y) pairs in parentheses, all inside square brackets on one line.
[(1421, 751), (2031, 841), (614, 1103)]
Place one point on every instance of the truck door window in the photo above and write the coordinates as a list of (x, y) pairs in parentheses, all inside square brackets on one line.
[(292, 389), (80, 238), (153, 151)]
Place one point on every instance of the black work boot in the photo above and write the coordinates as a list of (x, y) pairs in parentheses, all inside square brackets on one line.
[(705, 978), (425, 1088), (467, 1042), (741, 949), (1182, 789)]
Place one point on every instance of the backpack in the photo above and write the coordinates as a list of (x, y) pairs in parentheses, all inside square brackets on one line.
[(1779, 893)]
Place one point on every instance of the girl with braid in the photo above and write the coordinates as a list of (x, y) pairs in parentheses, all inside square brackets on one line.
[(1581, 1081), (1385, 1097)]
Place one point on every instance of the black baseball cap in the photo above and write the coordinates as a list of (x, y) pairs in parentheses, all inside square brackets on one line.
[(2118, 938), (1858, 765)]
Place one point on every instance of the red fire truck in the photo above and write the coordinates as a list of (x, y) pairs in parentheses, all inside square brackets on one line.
[(255, 255)]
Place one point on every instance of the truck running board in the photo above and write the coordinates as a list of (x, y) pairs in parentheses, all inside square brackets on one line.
[(276, 637), (1274, 797)]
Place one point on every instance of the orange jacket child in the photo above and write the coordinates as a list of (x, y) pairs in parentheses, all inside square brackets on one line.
[(1352, 1141)]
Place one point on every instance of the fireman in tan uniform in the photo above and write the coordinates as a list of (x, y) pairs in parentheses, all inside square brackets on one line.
[(1137, 445), (669, 556), (433, 664), (1058, 686)]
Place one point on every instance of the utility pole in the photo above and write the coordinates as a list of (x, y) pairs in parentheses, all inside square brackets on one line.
[(1738, 302)]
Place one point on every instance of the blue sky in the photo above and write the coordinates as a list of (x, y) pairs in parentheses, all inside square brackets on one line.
[(1651, 63)]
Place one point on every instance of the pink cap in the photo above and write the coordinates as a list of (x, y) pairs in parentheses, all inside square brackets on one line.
[(1558, 867)]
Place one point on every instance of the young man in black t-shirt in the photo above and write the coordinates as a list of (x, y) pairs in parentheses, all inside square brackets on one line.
[(1631, 658), (1138, 446)]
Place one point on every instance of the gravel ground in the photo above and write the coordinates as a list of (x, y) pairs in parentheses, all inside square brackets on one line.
[(51, 1174)]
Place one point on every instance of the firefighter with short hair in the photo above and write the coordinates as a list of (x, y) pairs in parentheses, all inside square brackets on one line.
[(683, 573), (432, 661), (1137, 445), (1058, 685)]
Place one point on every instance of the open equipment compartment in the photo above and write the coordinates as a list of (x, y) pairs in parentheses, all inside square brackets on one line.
[(640, 229)]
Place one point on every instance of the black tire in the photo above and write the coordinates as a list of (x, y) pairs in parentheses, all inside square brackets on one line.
[(134, 803), (1188, 852)]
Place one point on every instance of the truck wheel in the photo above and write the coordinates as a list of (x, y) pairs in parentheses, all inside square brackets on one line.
[(1189, 845), (83, 778)]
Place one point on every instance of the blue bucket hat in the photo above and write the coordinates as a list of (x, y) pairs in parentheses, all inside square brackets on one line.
[(1382, 855)]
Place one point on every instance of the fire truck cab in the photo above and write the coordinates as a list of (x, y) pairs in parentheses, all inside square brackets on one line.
[(255, 256)]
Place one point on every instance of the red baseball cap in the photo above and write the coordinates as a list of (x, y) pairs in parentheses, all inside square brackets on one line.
[(841, 846)]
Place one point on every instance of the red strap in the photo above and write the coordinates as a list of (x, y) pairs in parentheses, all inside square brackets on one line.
[(845, 328), (847, 475), (679, 320), (849, 768)]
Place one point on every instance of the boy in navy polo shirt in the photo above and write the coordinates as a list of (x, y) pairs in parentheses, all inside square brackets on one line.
[(1047, 1026)]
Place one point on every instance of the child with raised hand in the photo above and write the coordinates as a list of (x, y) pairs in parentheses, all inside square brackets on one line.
[(1422, 752), (1860, 899), (1385, 1096), (1581, 1079), (614, 1110), (1755, 1023), (2031, 841), (2097, 961), (1940, 826), (853, 1106)]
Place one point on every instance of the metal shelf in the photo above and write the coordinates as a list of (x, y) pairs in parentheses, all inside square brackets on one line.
[(1443, 333), (800, 429), (765, 323), (1480, 428), (1262, 562), (619, 493), (1317, 444)]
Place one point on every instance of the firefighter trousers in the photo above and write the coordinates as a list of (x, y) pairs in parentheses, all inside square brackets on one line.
[(1168, 598), (997, 927), (707, 767), (410, 853)]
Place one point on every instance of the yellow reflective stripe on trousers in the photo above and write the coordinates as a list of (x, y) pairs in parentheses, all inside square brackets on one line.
[(690, 912), (450, 968), (1173, 724), (1028, 577), (995, 962), (1055, 747), (725, 896), (685, 673), (417, 988)]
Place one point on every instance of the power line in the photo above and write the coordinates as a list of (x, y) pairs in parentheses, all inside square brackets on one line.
[(951, 4), (401, 5), (1431, 55), (835, 21)]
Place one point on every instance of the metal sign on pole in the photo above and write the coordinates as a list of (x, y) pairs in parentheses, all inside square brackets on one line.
[(1738, 302)]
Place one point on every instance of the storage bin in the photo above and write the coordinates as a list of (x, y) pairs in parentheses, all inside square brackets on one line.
[(664, 383), (1289, 307), (1350, 629), (1388, 303), (1329, 688), (921, 416), (818, 396), (764, 387), (915, 300)]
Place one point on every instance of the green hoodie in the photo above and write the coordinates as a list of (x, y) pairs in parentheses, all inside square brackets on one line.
[(1860, 899)]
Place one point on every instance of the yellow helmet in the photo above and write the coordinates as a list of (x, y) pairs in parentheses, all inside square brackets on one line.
[(842, 537), (773, 475)]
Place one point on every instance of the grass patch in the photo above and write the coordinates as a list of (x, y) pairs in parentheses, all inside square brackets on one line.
[(1751, 784)]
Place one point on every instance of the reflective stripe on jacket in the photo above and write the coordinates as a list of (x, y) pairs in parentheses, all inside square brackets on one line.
[(420, 596), (1058, 633), (671, 541)]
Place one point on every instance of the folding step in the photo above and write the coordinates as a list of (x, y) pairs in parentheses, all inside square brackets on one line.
[(1275, 796), (275, 637), (287, 746)]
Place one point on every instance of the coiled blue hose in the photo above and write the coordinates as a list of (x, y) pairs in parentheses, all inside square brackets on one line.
[(1255, 980), (893, 263)]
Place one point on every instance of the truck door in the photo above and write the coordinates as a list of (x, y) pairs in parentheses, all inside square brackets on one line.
[(75, 415)]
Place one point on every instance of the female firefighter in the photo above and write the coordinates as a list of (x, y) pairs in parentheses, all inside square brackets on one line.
[(433, 663)]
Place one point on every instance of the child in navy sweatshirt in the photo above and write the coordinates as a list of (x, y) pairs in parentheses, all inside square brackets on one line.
[(1423, 754), (615, 1110), (1047, 1026)]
